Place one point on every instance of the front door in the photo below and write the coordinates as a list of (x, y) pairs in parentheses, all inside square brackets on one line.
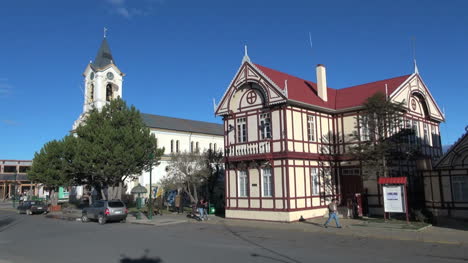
[(350, 183)]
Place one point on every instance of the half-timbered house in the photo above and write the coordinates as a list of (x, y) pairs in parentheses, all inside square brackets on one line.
[(286, 140)]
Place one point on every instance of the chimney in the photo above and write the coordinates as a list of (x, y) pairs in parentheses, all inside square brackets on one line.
[(322, 82)]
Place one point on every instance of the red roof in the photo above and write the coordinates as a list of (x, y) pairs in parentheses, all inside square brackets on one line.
[(392, 180), (306, 91)]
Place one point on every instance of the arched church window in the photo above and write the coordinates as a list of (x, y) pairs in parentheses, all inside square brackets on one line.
[(109, 94), (91, 92)]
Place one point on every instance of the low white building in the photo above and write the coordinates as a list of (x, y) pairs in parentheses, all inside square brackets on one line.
[(178, 135)]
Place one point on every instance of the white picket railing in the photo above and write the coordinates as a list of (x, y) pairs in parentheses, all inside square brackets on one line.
[(249, 148)]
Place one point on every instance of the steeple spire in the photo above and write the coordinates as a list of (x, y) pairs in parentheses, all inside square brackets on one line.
[(104, 55)]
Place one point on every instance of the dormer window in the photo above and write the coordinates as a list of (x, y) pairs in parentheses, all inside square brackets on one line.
[(91, 93)]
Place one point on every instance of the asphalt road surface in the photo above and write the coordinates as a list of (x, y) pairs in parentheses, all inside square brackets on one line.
[(38, 239)]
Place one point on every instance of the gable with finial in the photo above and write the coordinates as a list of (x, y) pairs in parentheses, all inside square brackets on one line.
[(417, 98), (250, 89)]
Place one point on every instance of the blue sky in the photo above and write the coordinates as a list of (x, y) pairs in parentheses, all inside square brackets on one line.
[(178, 55)]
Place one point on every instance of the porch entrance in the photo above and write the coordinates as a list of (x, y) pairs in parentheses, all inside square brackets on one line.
[(350, 183)]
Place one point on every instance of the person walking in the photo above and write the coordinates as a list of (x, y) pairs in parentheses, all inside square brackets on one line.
[(332, 214), (177, 203)]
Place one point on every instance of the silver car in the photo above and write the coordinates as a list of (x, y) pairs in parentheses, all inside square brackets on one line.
[(103, 211)]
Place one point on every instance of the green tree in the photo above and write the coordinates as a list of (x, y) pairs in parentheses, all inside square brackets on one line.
[(214, 165), (112, 144), (382, 135), (48, 167)]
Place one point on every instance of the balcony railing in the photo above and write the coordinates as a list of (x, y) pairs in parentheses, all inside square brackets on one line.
[(249, 148)]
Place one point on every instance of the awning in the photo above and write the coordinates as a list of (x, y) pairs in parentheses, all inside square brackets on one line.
[(392, 180)]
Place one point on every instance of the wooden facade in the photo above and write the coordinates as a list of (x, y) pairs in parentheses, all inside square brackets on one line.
[(446, 187), (286, 147)]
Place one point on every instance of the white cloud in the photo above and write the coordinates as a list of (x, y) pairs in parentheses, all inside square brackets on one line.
[(129, 9), (10, 122)]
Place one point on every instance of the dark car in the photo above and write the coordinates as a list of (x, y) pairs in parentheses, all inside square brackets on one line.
[(103, 211), (32, 207)]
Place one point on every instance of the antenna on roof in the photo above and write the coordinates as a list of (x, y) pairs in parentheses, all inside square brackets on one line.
[(310, 40), (81, 88), (413, 44)]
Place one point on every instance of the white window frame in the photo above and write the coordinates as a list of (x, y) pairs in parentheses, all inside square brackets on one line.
[(311, 128), (460, 188), (267, 182), (265, 126), (314, 178), (243, 183), (415, 127), (426, 133), (241, 130)]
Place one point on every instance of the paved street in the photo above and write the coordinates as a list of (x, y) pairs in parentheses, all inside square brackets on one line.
[(39, 239)]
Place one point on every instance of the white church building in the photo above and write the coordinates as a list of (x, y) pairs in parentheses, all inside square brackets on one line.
[(103, 82)]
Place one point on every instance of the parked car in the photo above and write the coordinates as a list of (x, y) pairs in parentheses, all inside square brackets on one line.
[(32, 207), (103, 211)]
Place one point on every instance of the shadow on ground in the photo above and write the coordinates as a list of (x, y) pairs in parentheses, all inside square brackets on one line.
[(458, 224), (313, 223), (143, 259), (7, 223)]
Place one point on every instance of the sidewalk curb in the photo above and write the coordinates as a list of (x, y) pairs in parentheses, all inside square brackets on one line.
[(355, 233)]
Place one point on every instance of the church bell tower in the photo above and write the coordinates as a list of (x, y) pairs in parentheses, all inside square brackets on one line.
[(102, 81)]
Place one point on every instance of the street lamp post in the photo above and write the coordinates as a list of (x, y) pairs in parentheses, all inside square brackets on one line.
[(150, 208), (14, 189)]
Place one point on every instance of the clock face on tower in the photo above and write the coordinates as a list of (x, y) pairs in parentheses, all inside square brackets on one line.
[(91, 76), (110, 76)]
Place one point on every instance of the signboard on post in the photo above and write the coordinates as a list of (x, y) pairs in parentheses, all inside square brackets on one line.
[(394, 195), (394, 200)]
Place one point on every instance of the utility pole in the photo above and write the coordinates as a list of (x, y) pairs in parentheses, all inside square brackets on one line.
[(14, 188), (150, 208)]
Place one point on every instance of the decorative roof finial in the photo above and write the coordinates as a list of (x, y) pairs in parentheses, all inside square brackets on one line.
[(246, 55), (416, 70), (413, 43), (105, 32)]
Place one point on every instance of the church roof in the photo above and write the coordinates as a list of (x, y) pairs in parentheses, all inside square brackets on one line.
[(170, 123), (104, 56), (305, 91)]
